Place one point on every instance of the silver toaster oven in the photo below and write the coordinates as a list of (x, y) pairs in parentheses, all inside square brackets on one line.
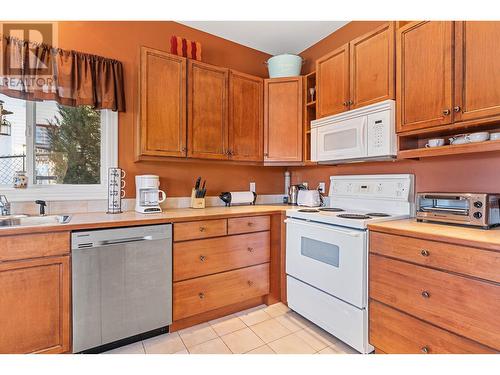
[(474, 209)]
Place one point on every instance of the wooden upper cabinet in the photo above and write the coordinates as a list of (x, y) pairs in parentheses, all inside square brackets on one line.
[(283, 128), (424, 80), (477, 67), (245, 117), (332, 82), (372, 59), (162, 104), (207, 111), (35, 306)]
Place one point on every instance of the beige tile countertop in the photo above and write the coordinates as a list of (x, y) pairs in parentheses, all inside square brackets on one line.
[(460, 235), (96, 220)]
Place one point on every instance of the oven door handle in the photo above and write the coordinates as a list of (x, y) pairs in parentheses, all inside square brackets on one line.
[(351, 233)]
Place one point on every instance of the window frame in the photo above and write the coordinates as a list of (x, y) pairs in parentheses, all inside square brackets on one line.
[(64, 192)]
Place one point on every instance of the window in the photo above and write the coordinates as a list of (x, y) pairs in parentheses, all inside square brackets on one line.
[(63, 150)]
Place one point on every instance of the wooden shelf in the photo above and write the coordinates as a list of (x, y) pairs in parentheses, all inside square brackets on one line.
[(310, 104), (450, 150)]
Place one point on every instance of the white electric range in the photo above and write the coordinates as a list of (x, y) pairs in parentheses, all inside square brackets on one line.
[(327, 251)]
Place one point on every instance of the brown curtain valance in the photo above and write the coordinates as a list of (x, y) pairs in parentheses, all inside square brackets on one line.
[(40, 72)]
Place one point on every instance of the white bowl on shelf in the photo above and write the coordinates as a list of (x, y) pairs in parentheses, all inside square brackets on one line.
[(495, 136), (478, 137)]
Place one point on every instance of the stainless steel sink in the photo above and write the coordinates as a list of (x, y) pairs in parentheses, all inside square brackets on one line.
[(24, 220)]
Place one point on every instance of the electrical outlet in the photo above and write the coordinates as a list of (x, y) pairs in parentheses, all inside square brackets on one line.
[(252, 186), (321, 187)]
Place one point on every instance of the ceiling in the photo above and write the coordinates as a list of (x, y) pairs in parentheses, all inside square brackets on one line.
[(273, 37)]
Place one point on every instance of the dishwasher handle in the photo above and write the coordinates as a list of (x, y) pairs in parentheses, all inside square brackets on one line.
[(124, 240)]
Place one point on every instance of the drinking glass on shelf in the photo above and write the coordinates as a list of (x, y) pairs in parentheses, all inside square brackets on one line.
[(312, 91)]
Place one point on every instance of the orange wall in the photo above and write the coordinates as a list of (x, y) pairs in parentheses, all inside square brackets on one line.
[(478, 172), (121, 41)]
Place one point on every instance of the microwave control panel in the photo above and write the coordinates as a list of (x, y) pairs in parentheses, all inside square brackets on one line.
[(381, 134)]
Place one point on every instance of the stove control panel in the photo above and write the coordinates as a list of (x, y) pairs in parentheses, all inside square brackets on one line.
[(389, 187)]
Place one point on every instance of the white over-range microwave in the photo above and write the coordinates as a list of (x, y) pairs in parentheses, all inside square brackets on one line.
[(366, 133)]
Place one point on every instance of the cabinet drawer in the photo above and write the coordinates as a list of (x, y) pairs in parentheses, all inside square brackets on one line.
[(25, 246), (464, 306), (471, 261), (248, 224), (196, 296), (394, 332), (194, 230), (205, 257)]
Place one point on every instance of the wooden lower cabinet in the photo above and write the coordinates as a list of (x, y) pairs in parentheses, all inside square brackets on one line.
[(392, 331), (217, 275), (207, 293), (451, 298), (35, 305)]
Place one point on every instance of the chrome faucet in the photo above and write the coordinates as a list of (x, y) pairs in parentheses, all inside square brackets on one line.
[(4, 206)]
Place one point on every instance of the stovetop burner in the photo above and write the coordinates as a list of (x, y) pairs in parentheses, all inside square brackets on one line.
[(308, 210), (378, 214), (353, 216), (331, 209)]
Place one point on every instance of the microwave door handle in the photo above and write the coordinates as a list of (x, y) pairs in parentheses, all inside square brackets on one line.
[(364, 135)]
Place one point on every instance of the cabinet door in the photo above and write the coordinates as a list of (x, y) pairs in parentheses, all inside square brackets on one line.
[(424, 79), (207, 111), (162, 91), (245, 117), (477, 67), (372, 66), (35, 306), (283, 119), (332, 82)]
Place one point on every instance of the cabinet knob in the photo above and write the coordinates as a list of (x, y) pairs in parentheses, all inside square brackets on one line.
[(202, 229), (456, 108), (350, 102), (345, 104), (249, 223), (426, 294), (425, 253), (250, 249), (183, 149), (446, 112), (424, 350), (250, 283), (201, 295), (202, 258), (266, 154)]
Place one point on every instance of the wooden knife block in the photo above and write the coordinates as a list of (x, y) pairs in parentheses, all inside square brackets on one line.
[(196, 202)]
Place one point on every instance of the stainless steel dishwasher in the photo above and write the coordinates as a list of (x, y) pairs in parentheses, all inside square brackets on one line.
[(122, 285)]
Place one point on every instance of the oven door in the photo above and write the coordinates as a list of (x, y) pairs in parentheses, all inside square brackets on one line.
[(342, 140), (330, 258)]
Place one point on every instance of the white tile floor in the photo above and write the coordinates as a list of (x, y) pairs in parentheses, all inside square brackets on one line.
[(263, 329)]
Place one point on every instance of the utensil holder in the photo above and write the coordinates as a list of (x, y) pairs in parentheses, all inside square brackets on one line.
[(196, 202)]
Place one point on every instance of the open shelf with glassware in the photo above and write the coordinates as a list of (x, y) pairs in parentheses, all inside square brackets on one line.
[(309, 113), (449, 140)]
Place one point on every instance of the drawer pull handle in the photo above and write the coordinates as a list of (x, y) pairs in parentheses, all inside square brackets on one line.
[(201, 295), (202, 229), (250, 283), (425, 350), (250, 249), (202, 258), (249, 223), (426, 294), (425, 253)]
